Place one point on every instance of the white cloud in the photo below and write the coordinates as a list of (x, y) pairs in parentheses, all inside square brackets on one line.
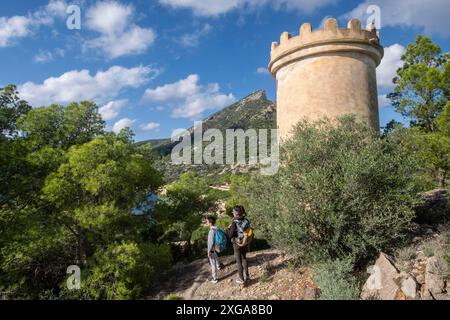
[(174, 91), (157, 109), (430, 16), (119, 35), (189, 99), (152, 126), (16, 27), (383, 101), (218, 7), (262, 70), (122, 124), (79, 85), (43, 57), (193, 39), (202, 8), (387, 70), (13, 28), (112, 109)]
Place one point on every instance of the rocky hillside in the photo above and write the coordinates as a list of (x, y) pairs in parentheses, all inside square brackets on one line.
[(254, 111), (420, 271)]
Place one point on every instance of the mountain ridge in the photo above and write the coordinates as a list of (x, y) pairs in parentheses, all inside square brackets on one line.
[(254, 111)]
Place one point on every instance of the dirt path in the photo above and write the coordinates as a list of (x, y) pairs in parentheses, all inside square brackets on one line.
[(271, 278)]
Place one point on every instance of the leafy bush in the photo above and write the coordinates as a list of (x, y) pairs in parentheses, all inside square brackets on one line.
[(237, 196), (341, 191), (172, 296), (125, 270), (335, 280)]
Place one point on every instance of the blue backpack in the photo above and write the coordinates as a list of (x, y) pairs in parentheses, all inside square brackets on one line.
[(220, 241)]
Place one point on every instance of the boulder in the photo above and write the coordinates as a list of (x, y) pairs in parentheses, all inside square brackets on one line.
[(434, 282), (310, 294), (409, 287), (383, 283)]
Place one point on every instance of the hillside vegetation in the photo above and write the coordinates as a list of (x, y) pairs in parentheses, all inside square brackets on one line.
[(252, 112)]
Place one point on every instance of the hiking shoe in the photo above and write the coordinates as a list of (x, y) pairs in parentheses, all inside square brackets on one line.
[(239, 281), (213, 280)]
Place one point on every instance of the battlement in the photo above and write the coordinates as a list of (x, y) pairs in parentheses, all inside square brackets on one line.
[(330, 35)]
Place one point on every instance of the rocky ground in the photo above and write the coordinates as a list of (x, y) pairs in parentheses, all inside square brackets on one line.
[(272, 278), (419, 271)]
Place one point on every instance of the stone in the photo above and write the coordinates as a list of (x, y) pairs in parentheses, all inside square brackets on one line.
[(382, 284), (434, 282), (420, 278), (310, 294), (409, 287)]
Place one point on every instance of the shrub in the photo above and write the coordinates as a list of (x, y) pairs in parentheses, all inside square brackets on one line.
[(238, 184), (405, 254), (125, 270), (172, 296), (341, 191), (335, 280)]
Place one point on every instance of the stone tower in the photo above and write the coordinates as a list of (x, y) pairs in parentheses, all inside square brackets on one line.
[(326, 73)]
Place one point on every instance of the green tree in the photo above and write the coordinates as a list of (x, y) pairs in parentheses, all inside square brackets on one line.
[(67, 195), (341, 192), (124, 270), (238, 185), (95, 189), (433, 151), (181, 210), (11, 109), (422, 85)]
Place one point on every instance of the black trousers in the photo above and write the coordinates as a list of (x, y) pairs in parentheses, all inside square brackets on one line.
[(241, 261)]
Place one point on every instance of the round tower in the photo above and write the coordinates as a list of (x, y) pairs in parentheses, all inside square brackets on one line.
[(326, 73)]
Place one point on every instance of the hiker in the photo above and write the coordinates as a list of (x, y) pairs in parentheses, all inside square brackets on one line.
[(236, 232), (212, 255)]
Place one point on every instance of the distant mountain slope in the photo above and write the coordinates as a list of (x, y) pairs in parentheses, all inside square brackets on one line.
[(252, 112)]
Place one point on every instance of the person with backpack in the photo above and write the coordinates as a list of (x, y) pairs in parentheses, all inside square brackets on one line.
[(241, 234), (217, 241)]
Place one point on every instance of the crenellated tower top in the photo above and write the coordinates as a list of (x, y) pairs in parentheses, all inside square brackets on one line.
[(309, 42)]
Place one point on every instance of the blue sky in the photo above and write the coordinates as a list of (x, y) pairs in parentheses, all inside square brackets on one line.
[(159, 65)]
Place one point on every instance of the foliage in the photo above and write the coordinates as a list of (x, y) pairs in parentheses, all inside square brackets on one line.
[(433, 151), (181, 210), (11, 109), (124, 270), (422, 85), (341, 191), (335, 280), (172, 296), (66, 197), (238, 185)]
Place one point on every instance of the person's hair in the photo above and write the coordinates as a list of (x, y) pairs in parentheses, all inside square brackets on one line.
[(211, 219), (240, 210)]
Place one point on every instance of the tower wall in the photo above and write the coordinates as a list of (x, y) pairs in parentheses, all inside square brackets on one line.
[(326, 73)]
